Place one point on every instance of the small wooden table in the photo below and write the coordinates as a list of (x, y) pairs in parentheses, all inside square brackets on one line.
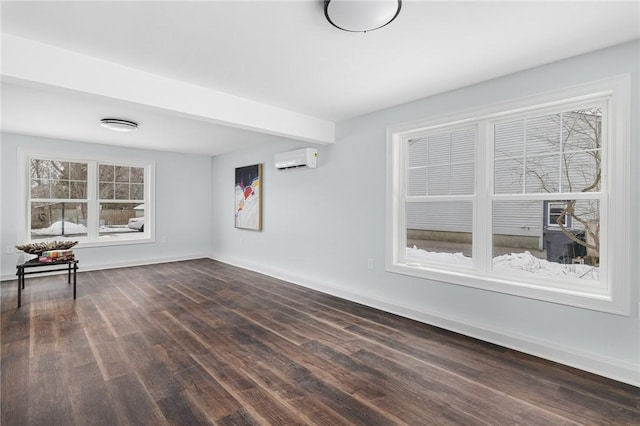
[(40, 268)]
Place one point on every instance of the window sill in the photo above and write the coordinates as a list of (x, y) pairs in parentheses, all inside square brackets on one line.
[(104, 241), (596, 300)]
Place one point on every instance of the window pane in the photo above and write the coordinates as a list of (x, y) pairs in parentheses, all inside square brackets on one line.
[(78, 171), (78, 190), (60, 189), (137, 175), (122, 191), (56, 168), (107, 173), (126, 183), (509, 139), (439, 147), (555, 153), (542, 135), (40, 188), (438, 180), (65, 180), (107, 191), (440, 232), (39, 169), (121, 218), (463, 179), (463, 146), (417, 185), (582, 130), (58, 219), (417, 152), (122, 174), (517, 224), (543, 174), (442, 164), (556, 240), (137, 192), (581, 171), (508, 176)]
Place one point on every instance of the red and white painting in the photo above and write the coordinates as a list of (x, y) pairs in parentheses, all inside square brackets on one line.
[(248, 197)]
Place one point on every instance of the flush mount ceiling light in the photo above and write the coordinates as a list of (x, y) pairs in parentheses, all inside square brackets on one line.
[(361, 15), (119, 125)]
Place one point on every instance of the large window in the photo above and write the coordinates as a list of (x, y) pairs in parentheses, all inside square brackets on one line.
[(94, 202), (527, 198), (121, 198)]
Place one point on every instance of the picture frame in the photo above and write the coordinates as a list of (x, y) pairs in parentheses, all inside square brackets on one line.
[(248, 197)]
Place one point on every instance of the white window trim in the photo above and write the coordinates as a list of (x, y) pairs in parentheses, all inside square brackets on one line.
[(613, 299), (93, 239), (567, 220)]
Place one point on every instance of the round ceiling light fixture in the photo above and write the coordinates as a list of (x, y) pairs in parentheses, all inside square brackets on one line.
[(119, 125), (361, 15)]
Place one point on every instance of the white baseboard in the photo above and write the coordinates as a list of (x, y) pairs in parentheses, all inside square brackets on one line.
[(83, 267), (613, 369), (593, 363)]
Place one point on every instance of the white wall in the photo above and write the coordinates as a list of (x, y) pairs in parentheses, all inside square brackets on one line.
[(183, 204), (321, 227)]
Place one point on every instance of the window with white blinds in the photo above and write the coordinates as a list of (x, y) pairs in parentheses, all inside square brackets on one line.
[(526, 199)]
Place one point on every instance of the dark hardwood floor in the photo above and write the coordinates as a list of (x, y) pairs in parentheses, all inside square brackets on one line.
[(201, 342)]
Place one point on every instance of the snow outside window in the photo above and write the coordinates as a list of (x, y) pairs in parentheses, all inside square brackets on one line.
[(439, 196), (527, 199), (58, 198), (94, 202), (549, 163), (121, 199)]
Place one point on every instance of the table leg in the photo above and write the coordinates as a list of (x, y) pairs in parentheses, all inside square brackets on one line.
[(69, 277), (75, 270), (20, 286)]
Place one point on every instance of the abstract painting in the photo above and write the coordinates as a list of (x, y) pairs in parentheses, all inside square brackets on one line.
[(248, 197)]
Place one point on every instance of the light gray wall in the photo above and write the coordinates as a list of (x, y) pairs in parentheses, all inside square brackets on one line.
[(321, 227), (183, 203)]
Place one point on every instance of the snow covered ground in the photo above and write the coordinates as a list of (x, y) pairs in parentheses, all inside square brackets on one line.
[(56, 229), (71, 228), (524, 264)]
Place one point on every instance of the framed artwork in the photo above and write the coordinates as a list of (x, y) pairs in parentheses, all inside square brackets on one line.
[(248, 197)]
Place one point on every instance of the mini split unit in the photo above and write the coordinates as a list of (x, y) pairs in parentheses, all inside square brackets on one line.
[(305, 158)]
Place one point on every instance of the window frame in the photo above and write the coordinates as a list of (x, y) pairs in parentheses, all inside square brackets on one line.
[(93, 238), (614, 293), (568, 222)]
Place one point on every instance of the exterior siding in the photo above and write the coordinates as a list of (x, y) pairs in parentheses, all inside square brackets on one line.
[(455, 216), (545, 154)]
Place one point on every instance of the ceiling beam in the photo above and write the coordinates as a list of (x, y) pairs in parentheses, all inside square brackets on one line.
[(28, 62)]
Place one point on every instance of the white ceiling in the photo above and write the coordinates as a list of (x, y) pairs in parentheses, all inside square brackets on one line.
[(272, 57)]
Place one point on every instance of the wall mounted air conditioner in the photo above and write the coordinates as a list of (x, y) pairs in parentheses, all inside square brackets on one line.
[(305, 158)]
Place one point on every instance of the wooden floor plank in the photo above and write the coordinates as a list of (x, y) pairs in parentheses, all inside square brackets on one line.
[(207, 393), (90, 401), (132, 402), (14, 383), (202, 342), (179, 410), (49, 397), (260, 405)]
